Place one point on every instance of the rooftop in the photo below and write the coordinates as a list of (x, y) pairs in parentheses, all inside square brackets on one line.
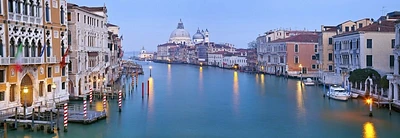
[(313, 38)]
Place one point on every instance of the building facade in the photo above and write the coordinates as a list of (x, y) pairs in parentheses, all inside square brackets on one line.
[(32, 47), (144, 55), (325, 48), (90, 54), (367, 47), (394, 79)]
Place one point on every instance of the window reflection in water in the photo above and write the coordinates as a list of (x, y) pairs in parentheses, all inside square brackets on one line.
[(201, 79)]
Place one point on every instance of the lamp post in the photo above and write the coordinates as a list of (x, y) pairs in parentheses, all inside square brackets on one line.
[(54, 86), (150, 70), (25, 90), (369, 101)]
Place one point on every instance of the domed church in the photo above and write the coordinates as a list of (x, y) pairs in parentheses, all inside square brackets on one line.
[(181, 36)]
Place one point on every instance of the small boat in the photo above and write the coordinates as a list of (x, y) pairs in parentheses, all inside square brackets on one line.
[(354, 95), (338, 93), (308, 82)]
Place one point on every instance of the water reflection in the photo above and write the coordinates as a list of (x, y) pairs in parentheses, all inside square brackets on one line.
[(262, 83), (299, 99), (169, 74), (201, 79), (369, 130), (99, 106), (236, 92), (150, 97)]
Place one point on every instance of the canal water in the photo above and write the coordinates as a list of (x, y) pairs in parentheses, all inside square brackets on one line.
[(193, 101)]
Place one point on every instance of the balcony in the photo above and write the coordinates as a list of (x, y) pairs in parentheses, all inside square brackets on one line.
[(4, 60), (93, 49), (24, 18), (51, 60), (27, 60)]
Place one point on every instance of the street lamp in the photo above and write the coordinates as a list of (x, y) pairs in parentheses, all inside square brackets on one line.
[(25, 90), (150, 70), (54, 86)]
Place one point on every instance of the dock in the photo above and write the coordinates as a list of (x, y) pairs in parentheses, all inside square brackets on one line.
[(92, 116)]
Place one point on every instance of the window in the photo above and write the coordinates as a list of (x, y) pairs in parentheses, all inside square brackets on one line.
[(315, 48), (25, 6), (330, 57), (2, 94), (330, 67), (353, 28), (393, 42), (296, 48), (63, 85), (63, 71), (313, 57), (2, 76), (32, 10), (70, 66), (346, 28), (78, 16), (369, 60), (49, 88), (10, 5), (296, 59), (18, 7), (360, 25), (12, 93), (47, 12), (84, 18), (49, 72), (351, 44), (313, 66), (62, 15), (330, 40), (41, 88), (369, 43), (391, 62), (269, 39), (1, 48)]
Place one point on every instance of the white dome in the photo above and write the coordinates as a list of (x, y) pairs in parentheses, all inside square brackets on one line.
[(179, 33), (198, 35)]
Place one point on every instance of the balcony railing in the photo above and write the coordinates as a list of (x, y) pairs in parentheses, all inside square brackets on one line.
[(24, 18), (27, 60), (51, 60), (4, 60), (93, 49)]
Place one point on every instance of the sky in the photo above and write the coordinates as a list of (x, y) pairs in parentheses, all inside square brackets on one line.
[(148, 23)]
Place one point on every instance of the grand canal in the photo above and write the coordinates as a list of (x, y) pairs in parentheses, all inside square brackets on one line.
[(193, 101)]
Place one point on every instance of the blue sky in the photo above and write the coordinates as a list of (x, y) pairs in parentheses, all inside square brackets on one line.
[(149, 22)]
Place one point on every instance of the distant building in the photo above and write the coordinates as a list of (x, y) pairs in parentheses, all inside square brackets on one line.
[(144, 55), (201, 53), (394, 79), (234, 60), (294, 55)]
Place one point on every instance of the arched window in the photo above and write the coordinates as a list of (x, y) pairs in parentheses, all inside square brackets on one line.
[(39, 49), (33, 48), (69, 37), (26, 48), (62, 48), (10, 5), (25, 7), (18, 7), (47, 12), (38, 8), (32, 8), (48, 52), (12, 47), (1, 48), (62, 14)]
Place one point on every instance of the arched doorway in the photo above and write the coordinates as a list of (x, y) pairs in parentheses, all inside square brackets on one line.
[(28, 97), (71, 88), (79, 87)]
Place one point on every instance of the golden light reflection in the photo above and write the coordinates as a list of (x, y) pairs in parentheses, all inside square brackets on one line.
[(201, 79), (98, 106), (262, 83), (299, 98), (236, 92), (369, 130), (150, 97)]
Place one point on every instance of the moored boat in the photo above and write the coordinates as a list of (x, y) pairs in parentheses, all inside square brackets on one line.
[(338, 93), (308, 82)]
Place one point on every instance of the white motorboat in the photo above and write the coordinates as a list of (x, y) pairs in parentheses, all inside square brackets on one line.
[(308, 82), (338, 93), (354, 95)]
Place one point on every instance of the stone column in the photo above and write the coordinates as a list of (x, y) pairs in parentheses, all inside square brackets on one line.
[(396, 65), (390, 89), (396, 92)]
